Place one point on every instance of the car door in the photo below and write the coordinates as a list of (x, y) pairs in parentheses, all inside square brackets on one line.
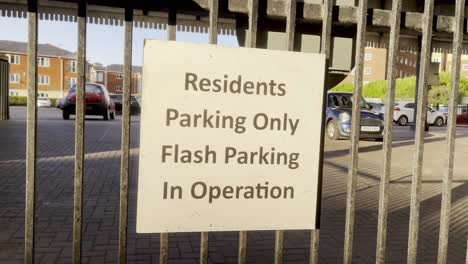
[(431, 115), (409, 111)]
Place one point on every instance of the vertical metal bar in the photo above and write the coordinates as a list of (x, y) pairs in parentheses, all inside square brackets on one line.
[(213, 39), (204, 248), (251, 42), (125, 148), (314, 246), (171, 35), (290, 31), (213, 34), (394, 47), (420, 126), (355, 132), (325, 48), (467, 250), (451, 133), (163, 248), (253, 17), (327, 8), (242, 254), (172, 23), (290, 24), (31, 126), (79, 133), (279, 235)]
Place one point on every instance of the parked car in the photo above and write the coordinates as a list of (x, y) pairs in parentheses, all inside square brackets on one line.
[(404, 114), (43, 102), (135, 105), (97, 102), (338, 118), (117, 98), (379, 108), (59, 102)]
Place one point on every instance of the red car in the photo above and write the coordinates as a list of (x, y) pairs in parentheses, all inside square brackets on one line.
[(97, 102)]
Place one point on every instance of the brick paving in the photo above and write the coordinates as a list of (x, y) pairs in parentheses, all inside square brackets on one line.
[(54, 201)]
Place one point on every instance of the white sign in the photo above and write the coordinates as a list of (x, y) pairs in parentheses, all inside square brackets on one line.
[(230, 138)]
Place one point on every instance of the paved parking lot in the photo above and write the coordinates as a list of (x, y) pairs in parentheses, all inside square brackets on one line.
[(54, 200)]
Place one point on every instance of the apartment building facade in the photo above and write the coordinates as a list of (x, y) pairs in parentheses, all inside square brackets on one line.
[(56, 69), (375, 65), (445, 62), (114, 79)]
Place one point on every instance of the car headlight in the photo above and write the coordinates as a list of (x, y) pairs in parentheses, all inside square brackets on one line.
[(344, 117)]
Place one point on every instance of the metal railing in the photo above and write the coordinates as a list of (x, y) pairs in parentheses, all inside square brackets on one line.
[(393, 24)]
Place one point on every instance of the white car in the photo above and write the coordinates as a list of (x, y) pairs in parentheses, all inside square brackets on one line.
[(43, 102), (404, 114)]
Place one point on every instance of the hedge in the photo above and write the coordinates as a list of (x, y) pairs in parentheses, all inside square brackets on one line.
[(18, 100), (22, 101)]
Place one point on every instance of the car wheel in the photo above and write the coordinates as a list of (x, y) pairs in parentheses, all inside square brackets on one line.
[(106, 115), (439, 122), (65, 115), (332, 130), (402, 121)]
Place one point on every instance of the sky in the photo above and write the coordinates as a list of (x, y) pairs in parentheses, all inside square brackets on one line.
[(104, 43)]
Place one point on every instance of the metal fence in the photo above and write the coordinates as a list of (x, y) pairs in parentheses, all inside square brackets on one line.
[(389, 19)]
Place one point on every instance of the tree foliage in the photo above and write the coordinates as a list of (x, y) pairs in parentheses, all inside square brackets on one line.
[(406, 88)]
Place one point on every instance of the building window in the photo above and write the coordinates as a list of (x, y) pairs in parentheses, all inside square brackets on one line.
[(120, 76), (465, 67), (367, 71), (71, 82), (14, 78), (118, 88), (99, 77), (43, 62), (13, 59), (43, 79), (72, 66), (368, 56)]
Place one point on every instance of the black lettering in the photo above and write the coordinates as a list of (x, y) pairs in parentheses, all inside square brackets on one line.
[(217, 85), (260, 121), (171, 114), (248, 86), (190, 79), (203, 189), (203, 83), (282, 89), (165, 153)]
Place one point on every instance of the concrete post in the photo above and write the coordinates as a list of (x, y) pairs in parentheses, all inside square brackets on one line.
[(4, 89)]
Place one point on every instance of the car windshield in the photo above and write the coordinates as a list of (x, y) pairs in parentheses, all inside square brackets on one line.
[(344, 101), (90, 88)]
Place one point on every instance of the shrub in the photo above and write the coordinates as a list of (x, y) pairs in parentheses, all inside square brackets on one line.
[(22, 101), (18, 100), (53, 101)]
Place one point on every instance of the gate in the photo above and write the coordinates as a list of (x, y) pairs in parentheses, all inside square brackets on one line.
[(385, 19)]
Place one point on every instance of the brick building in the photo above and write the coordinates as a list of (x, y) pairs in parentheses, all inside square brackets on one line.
[(57, 71), (56, 68), (375, 65), (114, 78)]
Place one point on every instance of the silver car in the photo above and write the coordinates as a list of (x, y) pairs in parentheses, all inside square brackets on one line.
[(43, 102)]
